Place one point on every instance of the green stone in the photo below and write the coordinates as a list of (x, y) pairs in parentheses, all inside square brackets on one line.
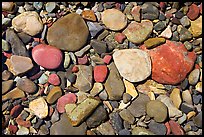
[(152, 42)]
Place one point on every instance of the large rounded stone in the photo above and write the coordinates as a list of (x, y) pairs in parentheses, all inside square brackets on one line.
[(171, 62), (157, 110), (71, 30), (47, 56), (132, 64), (28, 22), (138, 32)]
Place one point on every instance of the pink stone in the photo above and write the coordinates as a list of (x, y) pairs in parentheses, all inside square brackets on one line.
[(54, 79), (119, 37), (193, 12), (47, 56), (100, 73), (16, 110), (12, 128), (176, 128), (162, 5), (107, 59), (82, 60), (69, 98), (200, 8), (75, 69)]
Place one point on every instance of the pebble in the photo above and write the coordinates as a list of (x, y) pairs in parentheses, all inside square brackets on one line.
[(185, 34), (186, 108), (149, 11), (186, 96), (82, 60), (94, 28), (69, 98), (175, 96), (131, 58), (26, 85), (165, 52), (97, 88), (83, 110), (173, 112), (182, 119), (107, 59), (7, 85), (6, 75), (185, 21), (114, 92), (196, 27), (17, 46), (25, 37), (38, 5), (100, 73), (73, 57), (19, 65), (116, 121), (50, 6), (176, 129), (39, 107), (138, 105), (22, 131), (199, 87), (135, 12), (77, 29), (194, 77), (114, 19), (159, 26), (152, 42), (119, 37), (98, 117), (193, 12), (64, 127), (141, 131), (167, 33), (43, 130), (26, 20), (188, 45), (43, 79), (88, 15), (106, 129), (54, 79), (126, 115), (198, 120), (84, 81), (134, 29), (55, 116), (98, 46), (47, 56), (196, 99), (5, 45), (8, 6), (126, 98), (157, 128), (103, 95), (16, 110), (54, 94), (157, 110)]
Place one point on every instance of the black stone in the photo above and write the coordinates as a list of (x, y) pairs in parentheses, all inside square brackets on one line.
[(186, 108)]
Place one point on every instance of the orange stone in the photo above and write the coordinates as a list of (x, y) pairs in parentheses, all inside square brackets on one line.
[(89, 15)]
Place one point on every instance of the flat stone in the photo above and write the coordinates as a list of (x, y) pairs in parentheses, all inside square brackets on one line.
[(114, 84), (39, 107), (126, 115), (194, 76), (82, 51), (153, 42), (99, 46), (129, 58), (55, 116), (97, 88), (26, 85), (64, 127), (173, 112), (97, 117), (43, 79), (83, 110), (76, 33), (138, 105), (54, 94), (106, 129), (134, 29), (157, 128), (175, 96), (196, 27), (116, 121), (13, 94), (114, 19), (17, 46), (100, 73), (141, 131), (7, 85), (149, 11), (25, 22), (69, 98), (47, 56), (159, 26), (84, 81), (50, 6), (186, 96), (16, 110), (157, 110)]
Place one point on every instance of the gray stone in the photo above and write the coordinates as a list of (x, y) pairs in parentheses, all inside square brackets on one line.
[(38, 5), (17, 46), (116, 121), (159, 26), (198, 120), (99, 46), (43, 79), (81, 52), (114, 84), (103, 95), (62, 76), (185, 34), (186, 108), (185, 21), (157, 128), (55, 116), (43, 130), (137, 107), (126, 97), (24, 37), (94, 28), (188, 45), (64, 127), (149, 11), (50, 6), (26, 85), (124, 132), (106, 129)]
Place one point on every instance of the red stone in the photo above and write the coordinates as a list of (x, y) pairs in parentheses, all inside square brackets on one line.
[(21, 122), (162, 5), (13, 129), (168, 15), (16, 110), (54, 79), (119, 37), (171, 62), (176, 128), (100, 73), (83, 60), (193, 12), (8, 55), (36, 76), (47, 56), (69, 98), (168, 129), (107, 59), (75, 69), (197, 66)]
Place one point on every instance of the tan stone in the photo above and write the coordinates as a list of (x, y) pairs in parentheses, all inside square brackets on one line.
[(54, 94), (196, 27), (130, 89), (175, 96), (13, 94)]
